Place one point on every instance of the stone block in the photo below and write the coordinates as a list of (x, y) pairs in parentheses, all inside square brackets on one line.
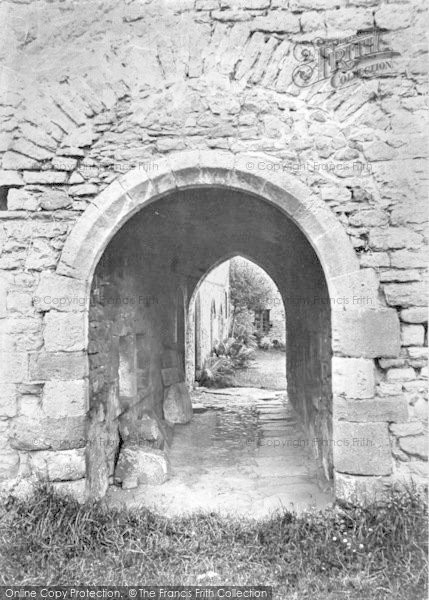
[(9, 465), (21, 200), (17, 162), (46, 366), (414, 315), (55, 199), (45, 177), (406, 294), (171, 375), (387, 363), (369, 218), (18, 301), (389, 409), (393, 16), (145, 430), (60, 293), (362, 448), (71, 489), (4, 287), (64, 465), (409, 259), (7, 400), (415, 446), (353, 489), (353, 377), (276, 21), (65, 398), (10, 179), (141, 466), (13, 367), (405, 374), (66, 332), (366, 333), (405, 429), (37, 433), (177, 404), (412, 335)]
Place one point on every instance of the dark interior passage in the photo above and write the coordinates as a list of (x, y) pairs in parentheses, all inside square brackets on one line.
[(159, 257)]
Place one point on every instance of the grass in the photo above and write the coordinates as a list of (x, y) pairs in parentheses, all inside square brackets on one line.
[(371, 552)]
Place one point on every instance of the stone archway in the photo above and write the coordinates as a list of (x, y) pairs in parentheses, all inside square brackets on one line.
[(359, 333)]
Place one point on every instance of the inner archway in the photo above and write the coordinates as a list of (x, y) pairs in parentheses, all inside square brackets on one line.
[(240, 302)]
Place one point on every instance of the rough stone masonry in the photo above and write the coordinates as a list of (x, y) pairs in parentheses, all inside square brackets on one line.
[(144, 141)]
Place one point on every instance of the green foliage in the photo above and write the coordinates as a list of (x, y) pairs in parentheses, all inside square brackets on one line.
[(218, 370), (250, 288), (372, 552)]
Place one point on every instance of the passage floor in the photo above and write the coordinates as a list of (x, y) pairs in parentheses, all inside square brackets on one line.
[(243, 453)]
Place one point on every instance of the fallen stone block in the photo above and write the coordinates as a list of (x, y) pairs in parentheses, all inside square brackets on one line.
[(177, 404), (141, 466), (147, 430)]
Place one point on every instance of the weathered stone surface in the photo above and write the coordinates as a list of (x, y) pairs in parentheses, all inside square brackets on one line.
[(353, 377), (414, 315), (45, 366), (405, 429), (65, 465), (389, 409), (355, 489), (169, 359), (10, 179), (387, 363), (409, 259), (8, 404), (145, 430), (13, 367), (60, 293), (21, 200), (362, 448), (64, 332), (54, 199), (37, 433), (141, 466), (15, 161), (406, 294), (9, 464), (71, 489), (398, 275), (366, 333), (171, 375), (177, 404), (280, 21), (406, 374), (412, 335), (45, 177), (65, 398), (415, 445)]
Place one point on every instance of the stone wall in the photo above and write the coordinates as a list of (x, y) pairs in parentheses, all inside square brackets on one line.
[(90, 92), (212, 313)]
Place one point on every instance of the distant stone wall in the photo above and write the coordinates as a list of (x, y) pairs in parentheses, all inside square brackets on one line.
[(90, 92), (212, 313)]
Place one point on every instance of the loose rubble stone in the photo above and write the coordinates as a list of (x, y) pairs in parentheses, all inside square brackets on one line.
[(141, 466), (177, 404)]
